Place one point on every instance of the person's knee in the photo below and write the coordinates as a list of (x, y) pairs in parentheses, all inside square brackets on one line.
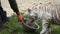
[(3, 15)]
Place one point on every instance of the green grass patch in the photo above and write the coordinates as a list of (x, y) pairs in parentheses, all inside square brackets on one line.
[(15, 27)]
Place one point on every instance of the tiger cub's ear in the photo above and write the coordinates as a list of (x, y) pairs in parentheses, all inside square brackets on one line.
[(29, 10)]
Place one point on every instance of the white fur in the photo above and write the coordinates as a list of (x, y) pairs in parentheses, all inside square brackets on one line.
[(45, 13)]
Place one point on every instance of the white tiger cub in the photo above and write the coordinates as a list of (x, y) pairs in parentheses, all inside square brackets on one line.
[(45, 13)]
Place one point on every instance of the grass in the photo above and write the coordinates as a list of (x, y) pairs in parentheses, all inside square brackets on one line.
[(15, 27)]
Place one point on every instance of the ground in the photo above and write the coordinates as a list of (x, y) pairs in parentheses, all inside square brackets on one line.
[(23, 5), (15, 27)]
